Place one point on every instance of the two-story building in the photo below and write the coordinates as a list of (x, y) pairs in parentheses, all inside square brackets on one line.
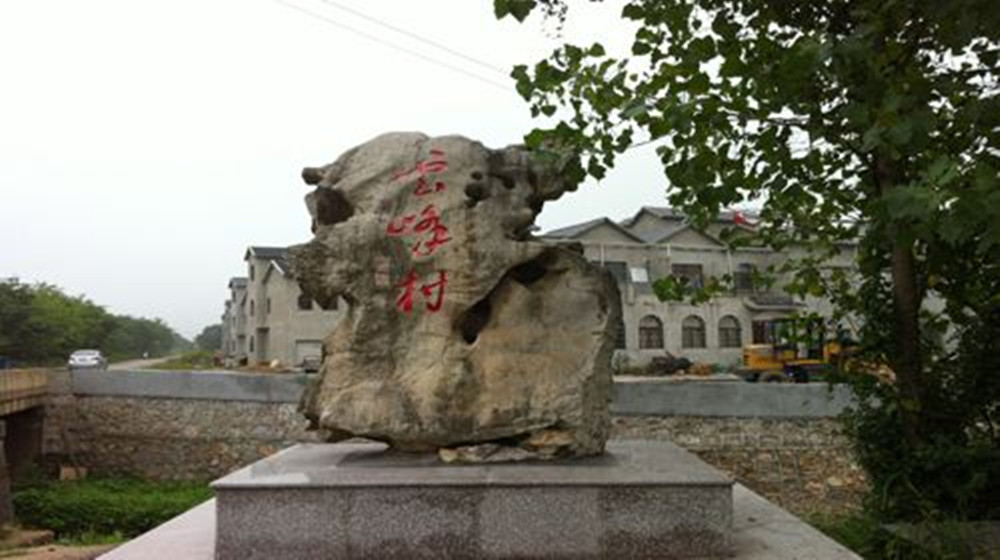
[(658, 242), (267, 316)]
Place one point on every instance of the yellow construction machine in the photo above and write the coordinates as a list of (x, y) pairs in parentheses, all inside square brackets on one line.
[(795, 349)]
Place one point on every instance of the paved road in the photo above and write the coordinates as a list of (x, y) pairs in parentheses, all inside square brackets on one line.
[(139, 364)]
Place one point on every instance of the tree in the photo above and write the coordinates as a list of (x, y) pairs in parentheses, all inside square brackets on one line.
[(15, 308), (40, 324), (210, 338), (872, 122)]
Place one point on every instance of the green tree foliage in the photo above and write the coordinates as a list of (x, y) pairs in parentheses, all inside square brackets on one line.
[(872, 123), (40, 324), (210, 338)]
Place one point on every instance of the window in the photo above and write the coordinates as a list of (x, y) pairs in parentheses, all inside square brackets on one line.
[(692, 332), (251, 343), (305, 302), (268, 306), (729, 332), (650, 332), (617, 269), (691, 273), (251, 308), (763, 332), (743, 279), (251, 273)]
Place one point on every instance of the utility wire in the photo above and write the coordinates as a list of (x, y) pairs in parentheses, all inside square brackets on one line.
[(379, 40), (413, 35)]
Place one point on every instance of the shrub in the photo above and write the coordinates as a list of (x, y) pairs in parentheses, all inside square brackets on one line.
[(199, 359), (90, 508)]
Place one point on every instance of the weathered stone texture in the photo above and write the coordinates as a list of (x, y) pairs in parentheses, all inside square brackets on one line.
[(167, 438), (464, 333)]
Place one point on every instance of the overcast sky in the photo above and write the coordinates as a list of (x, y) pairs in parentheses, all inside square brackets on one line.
[(145, 145)]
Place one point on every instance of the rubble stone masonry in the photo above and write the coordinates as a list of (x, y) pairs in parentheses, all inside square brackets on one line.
[(100, 423)]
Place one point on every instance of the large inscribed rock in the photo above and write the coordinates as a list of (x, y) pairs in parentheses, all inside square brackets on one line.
[(464, 335)]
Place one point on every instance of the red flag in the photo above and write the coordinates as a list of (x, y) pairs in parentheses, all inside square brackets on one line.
[(740, 218)]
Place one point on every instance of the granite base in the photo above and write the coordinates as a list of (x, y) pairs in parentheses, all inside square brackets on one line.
[(642, 499)]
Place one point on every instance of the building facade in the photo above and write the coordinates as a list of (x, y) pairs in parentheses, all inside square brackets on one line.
[(268, 319), (658, 242)]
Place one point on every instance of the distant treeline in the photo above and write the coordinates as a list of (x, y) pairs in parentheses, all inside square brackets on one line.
[(40, 324)]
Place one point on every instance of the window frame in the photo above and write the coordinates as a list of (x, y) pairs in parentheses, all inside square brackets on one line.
[(651, 335), (730, 336), (693, 337)]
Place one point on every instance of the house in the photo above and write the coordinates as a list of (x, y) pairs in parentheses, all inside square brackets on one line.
[(267, 316), (658, 242)]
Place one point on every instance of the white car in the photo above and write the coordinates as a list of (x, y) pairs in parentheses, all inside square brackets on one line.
[(87, 359)]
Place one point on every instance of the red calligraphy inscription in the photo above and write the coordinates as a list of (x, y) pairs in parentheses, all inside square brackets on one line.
[(429, 226), (434, 164), (433, 292), (425, 188)]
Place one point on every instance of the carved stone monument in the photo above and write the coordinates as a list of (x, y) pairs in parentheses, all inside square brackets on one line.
[(464, 336), (471, 341)]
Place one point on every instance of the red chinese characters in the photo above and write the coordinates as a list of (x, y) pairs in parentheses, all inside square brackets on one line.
[(428, 225), (433, 292), (429, 232), (434, 164)]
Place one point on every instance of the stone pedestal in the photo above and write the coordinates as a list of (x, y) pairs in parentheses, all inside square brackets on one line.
[(639, 500)]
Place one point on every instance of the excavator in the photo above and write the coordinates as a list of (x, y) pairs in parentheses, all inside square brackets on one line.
[(797, 349)]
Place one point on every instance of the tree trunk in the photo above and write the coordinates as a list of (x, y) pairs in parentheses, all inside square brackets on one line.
[(906, 300)]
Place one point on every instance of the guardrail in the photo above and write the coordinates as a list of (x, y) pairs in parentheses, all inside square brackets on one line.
[(21, 389), (632, 395)]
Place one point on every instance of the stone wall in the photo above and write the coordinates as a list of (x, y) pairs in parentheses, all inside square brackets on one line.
[(201, 426), (803, 464), (165, 438)]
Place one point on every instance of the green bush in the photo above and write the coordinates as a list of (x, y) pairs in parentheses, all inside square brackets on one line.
[(88, 509)]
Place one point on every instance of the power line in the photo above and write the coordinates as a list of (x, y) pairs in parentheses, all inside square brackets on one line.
[(381, 41), (413, 35)]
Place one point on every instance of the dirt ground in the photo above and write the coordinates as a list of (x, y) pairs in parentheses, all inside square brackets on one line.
[(57, 552), (28, 544)]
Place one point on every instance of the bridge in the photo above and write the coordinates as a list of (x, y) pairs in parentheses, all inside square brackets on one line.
[(22, 394)]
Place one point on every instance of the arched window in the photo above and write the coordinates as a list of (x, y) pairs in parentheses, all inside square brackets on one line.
[(692, 332), (729, 332), (650, 332)]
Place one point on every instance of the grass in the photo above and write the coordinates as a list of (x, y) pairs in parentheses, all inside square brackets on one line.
[(198, 359), (103, 510), (867, 537), (855, 531)]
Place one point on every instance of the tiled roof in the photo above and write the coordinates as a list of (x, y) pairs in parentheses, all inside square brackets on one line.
[(238, 282), (668, 213), (269, 253), (574, 230), (569, 232)]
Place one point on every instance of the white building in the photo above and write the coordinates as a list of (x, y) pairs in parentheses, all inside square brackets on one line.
[(658, 242), (267, 317)]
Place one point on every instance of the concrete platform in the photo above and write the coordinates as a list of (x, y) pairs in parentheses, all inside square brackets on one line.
[(642, 499), (759, 531)]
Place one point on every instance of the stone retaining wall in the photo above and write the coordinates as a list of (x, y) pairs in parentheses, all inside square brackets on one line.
[(205, 425), (803, 464), (167, 438)]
